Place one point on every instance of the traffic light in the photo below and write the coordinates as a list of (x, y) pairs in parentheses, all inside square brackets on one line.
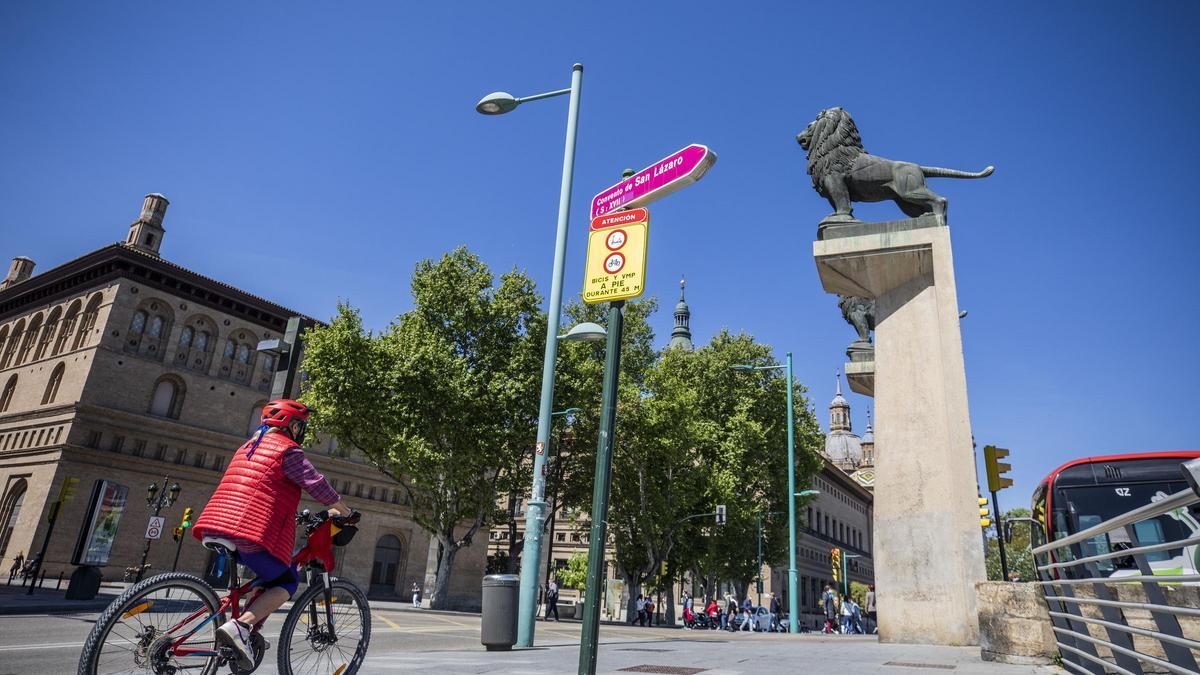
[(720, 514), (187, 518), (985, 519), (67, 491), (835, 564), (178, 534), (995, 468)]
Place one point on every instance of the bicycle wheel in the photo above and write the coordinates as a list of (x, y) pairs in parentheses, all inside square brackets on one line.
[(133, 633), (307, 643)]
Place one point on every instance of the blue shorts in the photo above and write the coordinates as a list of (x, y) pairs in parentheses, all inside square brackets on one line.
[(271, 572)]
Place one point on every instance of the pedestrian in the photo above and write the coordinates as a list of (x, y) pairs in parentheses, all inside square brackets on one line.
[(552, 599), (16, 566), (687, 601), (649, 612), (416, 595), (776, 610), (845, 614), (748, 614), (641, 611), (871, 620), (829, 604), (712, 610), (731, 613)]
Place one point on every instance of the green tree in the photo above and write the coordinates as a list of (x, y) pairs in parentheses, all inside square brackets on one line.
[(441, 400), (1018, 552), (574, 575)]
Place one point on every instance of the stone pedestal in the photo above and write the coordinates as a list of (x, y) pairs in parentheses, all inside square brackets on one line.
[(928, 555), (860, 369)]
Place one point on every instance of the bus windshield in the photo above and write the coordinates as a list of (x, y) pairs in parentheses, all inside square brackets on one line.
[(1087, 506)]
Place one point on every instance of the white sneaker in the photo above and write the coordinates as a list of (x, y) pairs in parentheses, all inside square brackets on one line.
[(236, 635)]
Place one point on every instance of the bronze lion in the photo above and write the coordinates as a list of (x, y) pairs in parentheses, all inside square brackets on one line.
[(842, 171)]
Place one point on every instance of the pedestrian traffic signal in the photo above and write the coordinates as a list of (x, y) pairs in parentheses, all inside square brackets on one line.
[(68, 489), (178, 534), (187, 518), (835, 564), (985, 519), (995, 468), (720, 514)]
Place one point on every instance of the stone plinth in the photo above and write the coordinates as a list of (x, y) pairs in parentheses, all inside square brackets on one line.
[(1014, 625), (860, 369), (928, 555)]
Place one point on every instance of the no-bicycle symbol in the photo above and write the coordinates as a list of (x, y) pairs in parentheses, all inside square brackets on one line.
[(616, 258)]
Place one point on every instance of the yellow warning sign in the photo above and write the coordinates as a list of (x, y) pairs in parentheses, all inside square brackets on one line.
[(616, 257)]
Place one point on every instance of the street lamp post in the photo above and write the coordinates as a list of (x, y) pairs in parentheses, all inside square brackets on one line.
[(497, 104), (793, 599), (157, 501), (802, 493), (557, 489)]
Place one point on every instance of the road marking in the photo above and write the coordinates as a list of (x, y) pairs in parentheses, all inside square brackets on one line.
[(56, 645), (386, 620)]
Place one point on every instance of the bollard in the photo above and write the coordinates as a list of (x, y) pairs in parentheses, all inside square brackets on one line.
[(58, 586), (43, 579)]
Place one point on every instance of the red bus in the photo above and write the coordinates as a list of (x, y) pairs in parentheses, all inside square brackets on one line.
[(1085, 492)]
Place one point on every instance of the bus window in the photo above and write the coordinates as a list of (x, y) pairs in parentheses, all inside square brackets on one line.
[(1097, 545), (1151, 532)]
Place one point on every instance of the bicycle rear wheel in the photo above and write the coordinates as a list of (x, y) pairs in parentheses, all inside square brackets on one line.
[(311, 643), (134, 633)]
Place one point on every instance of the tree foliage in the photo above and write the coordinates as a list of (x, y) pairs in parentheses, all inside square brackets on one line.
[(441, 400), (1018, 552)]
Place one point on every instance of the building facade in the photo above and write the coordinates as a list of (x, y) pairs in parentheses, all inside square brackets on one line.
[(123, 366)]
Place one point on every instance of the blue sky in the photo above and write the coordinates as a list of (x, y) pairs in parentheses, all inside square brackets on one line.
[(346, 135)]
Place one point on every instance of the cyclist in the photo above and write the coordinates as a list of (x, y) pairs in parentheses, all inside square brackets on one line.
[(254, 507)]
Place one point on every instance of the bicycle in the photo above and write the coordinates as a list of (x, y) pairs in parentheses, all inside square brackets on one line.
[(167, 623)]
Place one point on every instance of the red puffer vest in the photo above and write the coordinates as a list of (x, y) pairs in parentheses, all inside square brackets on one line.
[(255, 500)]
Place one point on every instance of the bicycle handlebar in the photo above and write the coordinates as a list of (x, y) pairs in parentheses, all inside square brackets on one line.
[(312, 521)]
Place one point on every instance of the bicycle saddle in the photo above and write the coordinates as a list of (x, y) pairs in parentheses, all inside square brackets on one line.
[(216, 543)]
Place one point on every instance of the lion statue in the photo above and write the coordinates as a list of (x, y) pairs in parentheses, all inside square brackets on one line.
[(860, 313), (843, 172)]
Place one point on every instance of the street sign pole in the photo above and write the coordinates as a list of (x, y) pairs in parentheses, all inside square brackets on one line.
[(1000, 536), (41, 559), (604, 448), (793, 595), (531, 554)]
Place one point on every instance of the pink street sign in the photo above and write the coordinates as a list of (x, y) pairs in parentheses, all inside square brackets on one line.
[(656, 181)]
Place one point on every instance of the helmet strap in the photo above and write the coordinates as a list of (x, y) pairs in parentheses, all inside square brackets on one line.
[(262, 430)]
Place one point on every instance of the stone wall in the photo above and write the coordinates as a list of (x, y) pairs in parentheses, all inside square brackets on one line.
[(1014, 626)]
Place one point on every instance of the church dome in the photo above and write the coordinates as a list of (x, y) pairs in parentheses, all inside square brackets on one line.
[(843, 448)]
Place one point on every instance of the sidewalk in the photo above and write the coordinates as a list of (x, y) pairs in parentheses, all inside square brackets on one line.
[(46, 600)]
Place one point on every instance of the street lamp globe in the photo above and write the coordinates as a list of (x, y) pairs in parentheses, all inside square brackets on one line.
[(497, 103), (586, 332), (151, 491), (175, 490)]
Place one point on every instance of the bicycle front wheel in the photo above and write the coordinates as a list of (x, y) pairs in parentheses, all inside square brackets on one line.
[(326, 638), (135, 632)]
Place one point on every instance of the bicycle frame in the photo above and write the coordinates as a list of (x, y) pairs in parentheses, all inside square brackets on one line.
[(315, 556)]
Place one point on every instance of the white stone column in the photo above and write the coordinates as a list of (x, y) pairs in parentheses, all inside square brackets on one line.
[(928, 555)]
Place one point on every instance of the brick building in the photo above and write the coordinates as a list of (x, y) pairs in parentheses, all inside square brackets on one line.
[(123, 366)]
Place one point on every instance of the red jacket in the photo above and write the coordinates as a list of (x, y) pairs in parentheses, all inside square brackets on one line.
[(255, 501)]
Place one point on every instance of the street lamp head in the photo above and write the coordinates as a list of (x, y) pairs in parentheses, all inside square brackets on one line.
[(497, 103), (741, 366), (586, 332), (568, 411), (175, 490), (805, 493)]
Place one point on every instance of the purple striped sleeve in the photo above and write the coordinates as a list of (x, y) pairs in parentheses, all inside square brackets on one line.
[(301, 472)]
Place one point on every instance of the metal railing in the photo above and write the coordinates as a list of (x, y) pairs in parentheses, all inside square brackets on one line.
[(1093, 630)]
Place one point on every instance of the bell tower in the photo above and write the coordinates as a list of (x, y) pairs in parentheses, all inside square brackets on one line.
[(146, 233), (681, 335)]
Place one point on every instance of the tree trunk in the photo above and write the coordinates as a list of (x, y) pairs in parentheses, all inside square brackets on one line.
[(633, 588), (670, 614), (440, 598)]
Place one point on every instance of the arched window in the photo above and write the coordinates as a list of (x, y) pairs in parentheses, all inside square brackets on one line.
[(10, 510), (201, 343), (167, 399), (243, 353), (10, 347), (47, 334), (194, 340), (68, 325), (30, 337), (185, 337), (230, 346), (52, 386), (255, 417), (6, 396), (156, 326), (138, 324), (87, 321), (3, 339)]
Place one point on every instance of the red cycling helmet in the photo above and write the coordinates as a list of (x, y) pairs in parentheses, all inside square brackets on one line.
[(282, 412)]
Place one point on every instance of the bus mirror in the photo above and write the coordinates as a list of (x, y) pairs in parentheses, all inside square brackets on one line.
[(1191, 473)]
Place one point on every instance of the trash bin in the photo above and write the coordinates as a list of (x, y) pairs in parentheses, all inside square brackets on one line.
[(498, 623)]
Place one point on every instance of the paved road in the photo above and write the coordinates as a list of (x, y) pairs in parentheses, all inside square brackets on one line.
[(407, 641)]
